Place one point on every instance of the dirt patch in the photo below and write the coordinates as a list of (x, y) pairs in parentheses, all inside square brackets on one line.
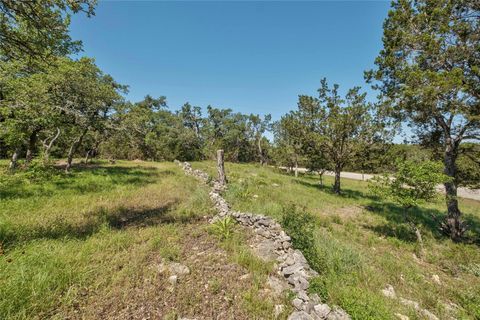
[(349, 212), (213, 288)]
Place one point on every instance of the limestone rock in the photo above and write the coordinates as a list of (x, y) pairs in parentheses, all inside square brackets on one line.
[(401, 316), (278, 286), (297, 303), (279, 308), (178, 269), (389, 292), (321, 310), (269, 243), (436, 279), (338, 314), (300, 315), (294, 268)]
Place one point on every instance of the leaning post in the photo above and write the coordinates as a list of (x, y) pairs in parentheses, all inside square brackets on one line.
[(221, 168)]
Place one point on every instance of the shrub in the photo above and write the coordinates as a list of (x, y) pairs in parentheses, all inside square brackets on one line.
[(300, 225)]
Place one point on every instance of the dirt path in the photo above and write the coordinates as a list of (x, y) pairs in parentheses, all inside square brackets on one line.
[(466, 193)]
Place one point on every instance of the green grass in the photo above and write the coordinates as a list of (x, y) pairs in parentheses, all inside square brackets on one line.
[(64, 236), (255, 301), (365, 244)]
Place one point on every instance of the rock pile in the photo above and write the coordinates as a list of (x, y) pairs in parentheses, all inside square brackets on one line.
[(272, 242)]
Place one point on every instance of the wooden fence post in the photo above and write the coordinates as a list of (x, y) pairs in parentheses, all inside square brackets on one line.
[(221, 168)]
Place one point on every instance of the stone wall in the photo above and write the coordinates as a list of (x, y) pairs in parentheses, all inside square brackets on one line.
[(271, 241)]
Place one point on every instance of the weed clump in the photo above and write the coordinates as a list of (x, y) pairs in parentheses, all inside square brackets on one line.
[(223, 228), (300, 226)]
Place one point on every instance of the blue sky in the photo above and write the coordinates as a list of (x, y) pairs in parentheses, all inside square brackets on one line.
[(253, 57)]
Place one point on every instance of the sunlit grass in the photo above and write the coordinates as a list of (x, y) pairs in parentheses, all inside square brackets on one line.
[(89, 231), (366, 244)]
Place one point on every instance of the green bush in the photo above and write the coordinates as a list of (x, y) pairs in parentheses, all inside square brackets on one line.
[(300, 226)]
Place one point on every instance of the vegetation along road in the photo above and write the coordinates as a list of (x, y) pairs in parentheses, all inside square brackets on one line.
[(462, 192)]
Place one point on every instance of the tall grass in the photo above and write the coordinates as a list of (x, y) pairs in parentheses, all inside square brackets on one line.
[(362, 243), (65, 236)]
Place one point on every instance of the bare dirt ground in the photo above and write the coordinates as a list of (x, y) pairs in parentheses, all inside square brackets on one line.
[(212, 289)]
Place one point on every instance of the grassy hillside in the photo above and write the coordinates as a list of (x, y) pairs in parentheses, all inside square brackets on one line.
[(92, 245), (365, 245)]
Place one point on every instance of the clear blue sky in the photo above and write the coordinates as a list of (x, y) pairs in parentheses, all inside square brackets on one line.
[(253, 57)]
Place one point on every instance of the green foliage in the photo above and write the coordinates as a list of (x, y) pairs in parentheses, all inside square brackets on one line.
[(427, 73), (37, 30), (223, 228), (38, 171), (300, 225), (329, 131), (411, 184), (371, 247)]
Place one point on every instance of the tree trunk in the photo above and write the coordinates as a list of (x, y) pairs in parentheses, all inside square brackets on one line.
[(296, 167), (453, 224), (32, 141), (421, 249), (321, 179), (13, 161), (336, 184), (73, 149), (87, 156), (48, 146), (221, 167), (260, 151)]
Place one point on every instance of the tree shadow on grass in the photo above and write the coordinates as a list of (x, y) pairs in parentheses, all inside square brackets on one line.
[(94, 222), (429, 219), (396, 226), (18, 188), (345, 192)]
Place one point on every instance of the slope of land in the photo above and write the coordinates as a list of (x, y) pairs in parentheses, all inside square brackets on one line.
[(125, 241), (369, 265)]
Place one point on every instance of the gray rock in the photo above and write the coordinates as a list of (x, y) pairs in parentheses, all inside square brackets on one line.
[(300, 315), (265, 250), (297, 303), (299, 258), (315, 298), (338, 314), (173, 280), (321, 310), (389, 292), (427, 314), (302, 295), (278, 286), (286, 245), (272, 243), (178, 269), (294, 268)]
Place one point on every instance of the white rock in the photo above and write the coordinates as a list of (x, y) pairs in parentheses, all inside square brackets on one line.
[(436, 279), (389, 292), (300, 315), (297, 303), (279, 308), (173, 280), (427, 314), (178, 269), (322, 310)]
